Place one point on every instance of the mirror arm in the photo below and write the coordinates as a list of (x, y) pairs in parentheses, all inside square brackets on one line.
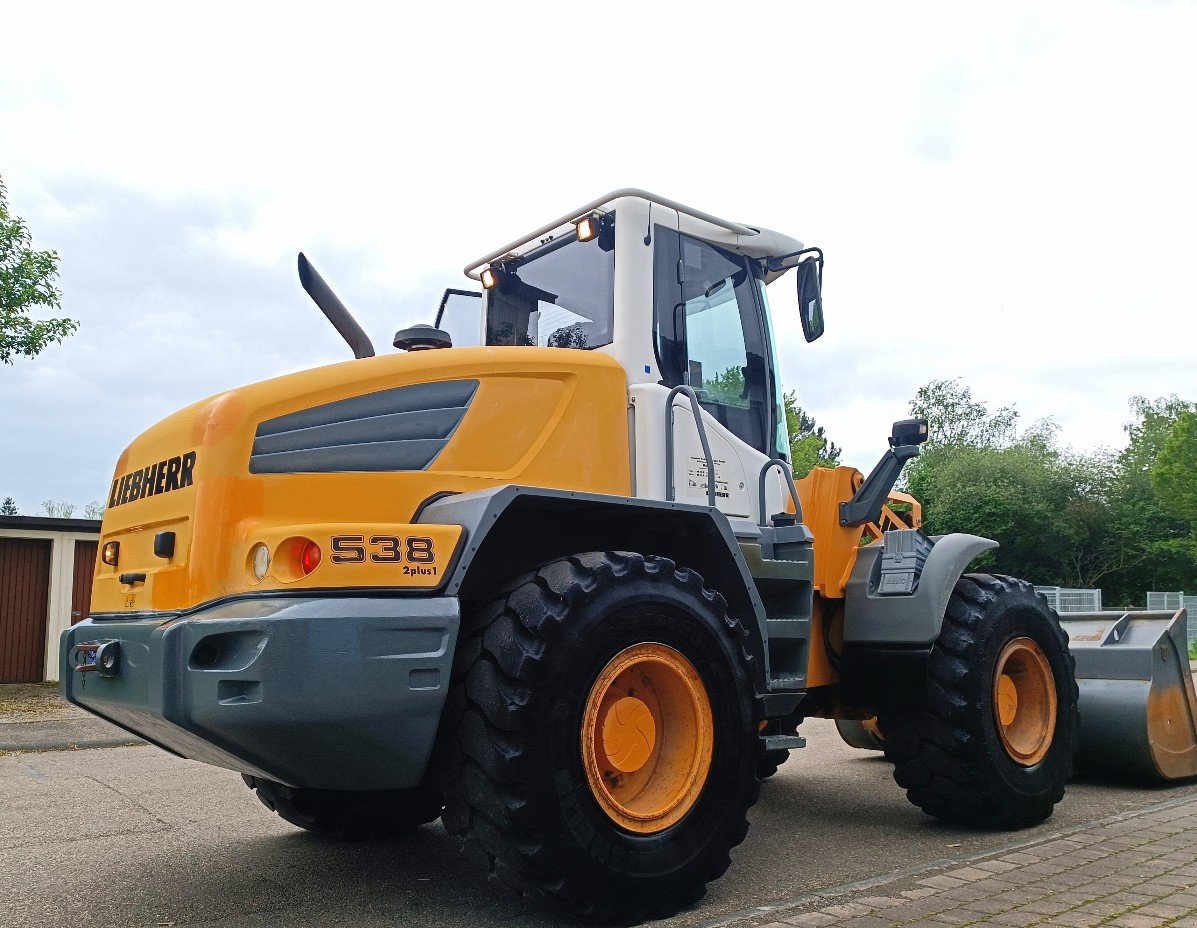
[(779, 262)]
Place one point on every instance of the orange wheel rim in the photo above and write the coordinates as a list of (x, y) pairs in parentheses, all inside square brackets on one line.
[(647, 738), (1024, 701)]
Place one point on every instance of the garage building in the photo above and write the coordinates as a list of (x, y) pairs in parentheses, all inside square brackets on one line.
[(46, 568)]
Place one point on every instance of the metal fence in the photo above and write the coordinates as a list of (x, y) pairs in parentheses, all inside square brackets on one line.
[(1065, 600), (1173, 600)]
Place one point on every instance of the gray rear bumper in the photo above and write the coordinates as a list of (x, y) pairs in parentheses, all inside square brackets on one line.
[(334, 693)]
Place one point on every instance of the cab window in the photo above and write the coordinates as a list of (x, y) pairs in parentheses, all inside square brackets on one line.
[(561, 295), (709, 333)]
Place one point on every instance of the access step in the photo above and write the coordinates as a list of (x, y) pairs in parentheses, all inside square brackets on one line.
[(782, 742)]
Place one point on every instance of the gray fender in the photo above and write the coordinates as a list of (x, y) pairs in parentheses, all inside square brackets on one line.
[(513, 529), (912, 619)]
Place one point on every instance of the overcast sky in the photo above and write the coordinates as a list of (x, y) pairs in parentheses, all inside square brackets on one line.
[(1006, 193)]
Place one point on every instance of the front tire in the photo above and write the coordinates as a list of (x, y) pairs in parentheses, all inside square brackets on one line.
[(350, 814), (995, 742), (561, 685)]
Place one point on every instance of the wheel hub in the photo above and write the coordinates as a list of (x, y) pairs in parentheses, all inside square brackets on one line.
[(1024, 701), (647, 738), (629, 734), (1007, 700)]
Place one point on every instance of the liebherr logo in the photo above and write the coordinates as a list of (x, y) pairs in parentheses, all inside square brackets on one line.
[(171, 474)]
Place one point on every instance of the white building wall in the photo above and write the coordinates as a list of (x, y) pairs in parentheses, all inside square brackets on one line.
[(62, 573)]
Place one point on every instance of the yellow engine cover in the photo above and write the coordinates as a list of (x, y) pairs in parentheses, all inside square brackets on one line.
[(345, 452)]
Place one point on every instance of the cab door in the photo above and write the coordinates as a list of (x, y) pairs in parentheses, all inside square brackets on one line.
[(710, 335)]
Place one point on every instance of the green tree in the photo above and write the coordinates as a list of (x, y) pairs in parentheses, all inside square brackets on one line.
[(978, 473), (809, 445), (58, 509), (1155, 541), (27, 281), (1174, 475), (955, 417), (9, 507)]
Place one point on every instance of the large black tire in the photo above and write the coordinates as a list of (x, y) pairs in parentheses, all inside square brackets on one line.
[(519, 796), (948, 755), (768, 761), (351, 814)]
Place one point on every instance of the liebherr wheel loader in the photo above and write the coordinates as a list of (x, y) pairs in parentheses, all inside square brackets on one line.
[(546, 575)]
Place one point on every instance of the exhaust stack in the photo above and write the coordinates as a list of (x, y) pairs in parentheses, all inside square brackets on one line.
[(341, 318)]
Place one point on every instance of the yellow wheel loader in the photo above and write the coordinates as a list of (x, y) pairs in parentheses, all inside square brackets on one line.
[(546, 575)]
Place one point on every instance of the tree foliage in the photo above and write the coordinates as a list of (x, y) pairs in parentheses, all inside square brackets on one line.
[(27, 282), (809, 444), (1114, 521), (1174, 474), (9, 507), (957, 419), (58, 509)]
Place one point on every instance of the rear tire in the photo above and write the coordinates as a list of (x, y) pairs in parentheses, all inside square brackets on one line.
[(949, 755), (349, 814), (524, 795), (768, 762)]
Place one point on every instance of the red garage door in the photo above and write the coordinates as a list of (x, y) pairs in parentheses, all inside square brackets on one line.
[(85, 566), (24, 602)]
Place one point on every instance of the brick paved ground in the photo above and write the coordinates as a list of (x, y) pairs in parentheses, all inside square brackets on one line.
[(1137, 870)]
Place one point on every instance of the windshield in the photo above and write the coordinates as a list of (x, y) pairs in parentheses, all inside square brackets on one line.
[(562, 295)]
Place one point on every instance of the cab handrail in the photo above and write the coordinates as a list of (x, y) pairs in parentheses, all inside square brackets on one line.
[(702, 437)]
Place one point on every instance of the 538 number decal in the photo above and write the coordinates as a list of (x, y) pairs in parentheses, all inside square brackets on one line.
[(382, 549)]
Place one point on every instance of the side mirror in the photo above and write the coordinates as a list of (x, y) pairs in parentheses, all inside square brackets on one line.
[(810, 296)]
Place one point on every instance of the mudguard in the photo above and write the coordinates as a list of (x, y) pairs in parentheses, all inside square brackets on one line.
[(875, 613)]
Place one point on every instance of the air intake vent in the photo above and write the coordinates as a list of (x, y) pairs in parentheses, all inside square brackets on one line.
[(391, 430)]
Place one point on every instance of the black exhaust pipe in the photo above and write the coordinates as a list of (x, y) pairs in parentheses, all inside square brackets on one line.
[(341, 318)]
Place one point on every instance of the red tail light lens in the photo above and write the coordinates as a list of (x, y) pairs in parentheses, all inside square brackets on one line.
[(309, 560)]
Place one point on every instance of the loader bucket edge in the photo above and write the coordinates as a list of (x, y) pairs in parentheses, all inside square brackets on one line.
[(1138, 707)]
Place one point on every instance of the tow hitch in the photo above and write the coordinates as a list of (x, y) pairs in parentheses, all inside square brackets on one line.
[(103, 657)]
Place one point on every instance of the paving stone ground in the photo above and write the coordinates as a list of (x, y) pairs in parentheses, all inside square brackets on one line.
[(1136, 870)]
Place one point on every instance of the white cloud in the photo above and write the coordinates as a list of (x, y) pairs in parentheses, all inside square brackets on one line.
[(1005, 194)]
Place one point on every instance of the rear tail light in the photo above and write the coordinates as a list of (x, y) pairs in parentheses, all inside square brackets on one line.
[(309, 560), (292, 559), (259, 560)]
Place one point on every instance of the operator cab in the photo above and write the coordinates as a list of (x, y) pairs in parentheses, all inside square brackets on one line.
[(676, 295)]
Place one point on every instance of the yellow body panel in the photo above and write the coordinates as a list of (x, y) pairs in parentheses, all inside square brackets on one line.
[(836, 546), (821, 492), (540, 417)]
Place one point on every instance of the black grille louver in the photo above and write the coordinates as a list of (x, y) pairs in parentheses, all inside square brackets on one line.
[(404, 428)]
